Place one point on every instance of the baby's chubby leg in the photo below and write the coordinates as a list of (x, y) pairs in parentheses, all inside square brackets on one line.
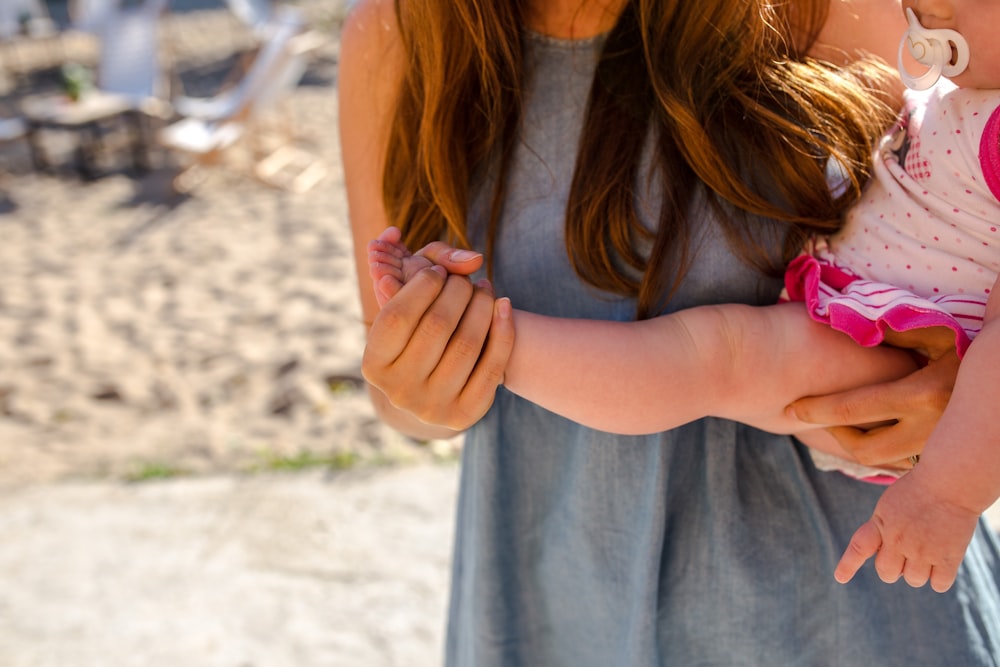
[(779, 354), (391, 264)]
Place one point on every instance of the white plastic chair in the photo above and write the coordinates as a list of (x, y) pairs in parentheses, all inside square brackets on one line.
[(210, 126), (23, 21), (273, 67), (90, 16), (130, 63), (12, 129), (28, 18), (258, 15)]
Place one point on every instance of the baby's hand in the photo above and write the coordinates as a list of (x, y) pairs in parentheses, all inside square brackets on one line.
[(914, 534), (391, 264)]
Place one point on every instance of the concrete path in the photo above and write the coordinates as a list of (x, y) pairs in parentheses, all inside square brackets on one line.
[(302, 570), (294, 570)]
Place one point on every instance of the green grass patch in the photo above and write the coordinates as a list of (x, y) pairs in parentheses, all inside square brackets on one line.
[(305, 460), (151, 471)]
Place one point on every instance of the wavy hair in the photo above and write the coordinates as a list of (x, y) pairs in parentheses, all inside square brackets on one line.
[(716, 83)]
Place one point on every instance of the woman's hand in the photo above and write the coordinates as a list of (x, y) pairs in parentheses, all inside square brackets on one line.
[(886, 424), (438, 348)]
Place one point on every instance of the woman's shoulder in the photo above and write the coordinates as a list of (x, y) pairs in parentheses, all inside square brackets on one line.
[(370, 29)]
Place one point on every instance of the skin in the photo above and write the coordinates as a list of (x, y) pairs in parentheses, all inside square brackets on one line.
[(923, 523), (724, 353), (437, 352)]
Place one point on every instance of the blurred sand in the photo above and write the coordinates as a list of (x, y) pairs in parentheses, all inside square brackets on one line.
[(141, 331)]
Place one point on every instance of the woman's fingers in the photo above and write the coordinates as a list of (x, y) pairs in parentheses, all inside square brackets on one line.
[(887, 422), (889, 565), (456, 260), (457, 361), (943, 576), (886, 446), (437, 351), (478, 393), (396, 323), (433, 339)]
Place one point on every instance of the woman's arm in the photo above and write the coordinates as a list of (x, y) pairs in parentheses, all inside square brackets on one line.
[(431, 372)]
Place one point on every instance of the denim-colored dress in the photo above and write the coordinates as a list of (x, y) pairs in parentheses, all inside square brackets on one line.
[(712, 544)]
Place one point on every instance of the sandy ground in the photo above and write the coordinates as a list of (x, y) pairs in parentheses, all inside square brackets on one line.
[(145, 332), (186, 341), (155, 350)]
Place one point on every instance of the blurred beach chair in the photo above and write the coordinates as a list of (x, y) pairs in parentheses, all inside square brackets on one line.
[(25, 18), (131, 64), (258, 15), (131, 83), (210, 127), (23, 21), (91, 16), (12, 129)]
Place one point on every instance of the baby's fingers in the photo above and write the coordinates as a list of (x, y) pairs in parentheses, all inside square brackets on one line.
[(916, 573), (943, 576), (386, 288), (864, 544), (391, 235)]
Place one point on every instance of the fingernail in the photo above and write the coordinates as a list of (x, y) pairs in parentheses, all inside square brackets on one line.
[(790, 412), (462, 255), (440, 270), (504, 308)]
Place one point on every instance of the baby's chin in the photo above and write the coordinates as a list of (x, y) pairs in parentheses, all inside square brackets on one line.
[(968, 79)]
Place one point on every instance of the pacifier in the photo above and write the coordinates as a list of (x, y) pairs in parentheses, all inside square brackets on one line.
[(933, 48)]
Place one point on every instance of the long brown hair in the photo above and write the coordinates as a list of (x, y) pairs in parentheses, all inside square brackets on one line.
[(718, 82)]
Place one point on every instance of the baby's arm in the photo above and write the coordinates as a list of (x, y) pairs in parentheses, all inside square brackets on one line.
[(734, 361), (923, 523)]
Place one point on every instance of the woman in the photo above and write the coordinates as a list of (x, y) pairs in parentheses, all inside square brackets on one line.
[(709, 544)]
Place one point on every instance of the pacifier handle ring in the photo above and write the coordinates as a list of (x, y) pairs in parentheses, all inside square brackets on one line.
[(960, 48), (928, 78)]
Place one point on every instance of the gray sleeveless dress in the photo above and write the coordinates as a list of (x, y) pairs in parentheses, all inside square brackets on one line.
[(712, 544)]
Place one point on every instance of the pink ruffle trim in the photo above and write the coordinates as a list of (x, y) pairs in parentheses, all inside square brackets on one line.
[(847, 303)]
